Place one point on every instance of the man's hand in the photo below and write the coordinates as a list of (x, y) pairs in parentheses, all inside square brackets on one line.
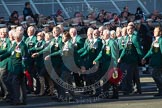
[(47, 57), (94, 62), (143, 61), (119, 60), (83, 69), (35, 55)]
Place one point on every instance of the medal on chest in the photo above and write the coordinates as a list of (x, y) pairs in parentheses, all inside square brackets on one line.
[(123, 43), (107, 49), (129, 45), (30, 44), (17, 52)]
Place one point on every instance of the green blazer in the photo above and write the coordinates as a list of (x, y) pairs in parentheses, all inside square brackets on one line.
[(18, 58), (155, 54), (53, 47), (38, 47), (67, 57), (132, 51), (4, 46), (31, 42), (84, 47), (108, 54), (91, 53), (79, 43), (121, 43)]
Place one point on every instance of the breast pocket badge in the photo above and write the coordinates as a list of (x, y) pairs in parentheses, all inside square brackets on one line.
[(18, 53), (107, 50), (30, 44)]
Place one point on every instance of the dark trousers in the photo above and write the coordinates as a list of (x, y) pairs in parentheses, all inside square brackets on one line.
[(17, 87), (67, 77), (130, 71), (45, 80), (157, 76), (3, 81)]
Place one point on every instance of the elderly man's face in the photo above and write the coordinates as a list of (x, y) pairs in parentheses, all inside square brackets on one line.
[(30, 32), (73, 32), (156, 32), (3, 33), (106, 34), (40, 36), (130, 30), (56, 32)]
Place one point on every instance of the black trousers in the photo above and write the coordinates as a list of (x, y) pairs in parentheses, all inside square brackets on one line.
[(3, 81), (157, 76), (17, 87)]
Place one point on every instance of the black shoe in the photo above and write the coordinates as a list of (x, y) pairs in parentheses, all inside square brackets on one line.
[(5, 97), (114, 97), (54, 98), (18, 103), (23, 103), (72, 100), (40, 95), (138, 92)]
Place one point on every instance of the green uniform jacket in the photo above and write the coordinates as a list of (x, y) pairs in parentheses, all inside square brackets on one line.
[(18, 58), (156, 55), (108, 54), (85, 46), (31, 42), (91, 53), (38, 47), (4, 46), (121, 43), (132, 52), (67, 57), (79, 43), (54, 46)]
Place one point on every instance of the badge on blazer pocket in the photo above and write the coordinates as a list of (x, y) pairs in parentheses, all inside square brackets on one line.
[(18, 53), (30, 44), (107, 50)]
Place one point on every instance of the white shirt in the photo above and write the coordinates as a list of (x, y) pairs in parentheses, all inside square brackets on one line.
[(3, 39), (74, 39), (65, 47), (30, 37), (95, 40), (18, 43), (56, 38), (157, 38), (106, 41)]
